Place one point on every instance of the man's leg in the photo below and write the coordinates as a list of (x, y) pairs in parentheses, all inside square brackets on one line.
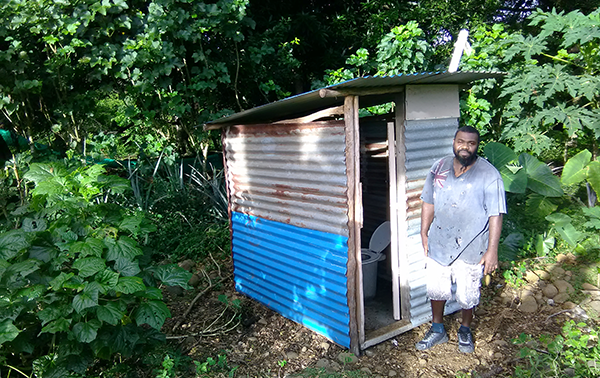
[(437, 333), (439, 290), (468, 283), (467, 318), (437, 311)]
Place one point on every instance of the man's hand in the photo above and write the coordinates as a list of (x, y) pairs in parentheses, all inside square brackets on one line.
[(490, 258), (489, 262), (427, 213)]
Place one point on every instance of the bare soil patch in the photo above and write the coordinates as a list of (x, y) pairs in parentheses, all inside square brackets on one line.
[(265, 344)]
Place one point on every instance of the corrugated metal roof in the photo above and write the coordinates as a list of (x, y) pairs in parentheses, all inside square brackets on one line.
[(309, 102)]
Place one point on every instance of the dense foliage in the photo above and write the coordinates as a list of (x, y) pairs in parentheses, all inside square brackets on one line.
[(128, 83), (75, 276)]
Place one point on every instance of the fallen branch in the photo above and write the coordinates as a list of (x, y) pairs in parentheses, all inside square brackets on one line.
[(187, 312), (558, 313)]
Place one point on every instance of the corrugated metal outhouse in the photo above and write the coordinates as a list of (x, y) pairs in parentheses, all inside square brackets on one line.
[(309, 179)]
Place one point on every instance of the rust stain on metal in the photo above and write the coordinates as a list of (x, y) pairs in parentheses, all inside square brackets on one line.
[(282, 129)]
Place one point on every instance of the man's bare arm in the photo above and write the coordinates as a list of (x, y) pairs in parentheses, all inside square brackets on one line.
[(427, 211), (490, 258)]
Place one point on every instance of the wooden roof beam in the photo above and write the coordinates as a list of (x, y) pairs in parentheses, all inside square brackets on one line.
[(323, 93)]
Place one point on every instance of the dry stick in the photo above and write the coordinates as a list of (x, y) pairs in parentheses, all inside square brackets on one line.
[(181, 337), (194, 302), (217, 265), (558, 313)]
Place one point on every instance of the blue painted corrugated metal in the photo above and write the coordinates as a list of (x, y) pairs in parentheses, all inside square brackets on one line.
[(426, 142), (297, 272)]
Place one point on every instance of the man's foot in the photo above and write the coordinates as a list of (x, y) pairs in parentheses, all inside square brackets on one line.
[(432, 338), (465, 341)]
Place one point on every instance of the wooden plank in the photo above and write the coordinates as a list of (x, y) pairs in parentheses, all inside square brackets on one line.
[(354, 274), (386, 333), (394, 245), (402, 282), (359, 91), (329, 112)]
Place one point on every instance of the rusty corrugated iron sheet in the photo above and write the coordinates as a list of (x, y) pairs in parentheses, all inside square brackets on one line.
[(293, 174), (426, 142)]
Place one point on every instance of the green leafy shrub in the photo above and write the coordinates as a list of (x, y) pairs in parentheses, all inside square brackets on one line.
[(75, 281), (575, 353)]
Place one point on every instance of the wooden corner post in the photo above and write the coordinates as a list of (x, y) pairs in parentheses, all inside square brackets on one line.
[(354, 272)]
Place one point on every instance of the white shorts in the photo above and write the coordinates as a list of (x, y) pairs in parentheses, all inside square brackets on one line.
[(466, 276)]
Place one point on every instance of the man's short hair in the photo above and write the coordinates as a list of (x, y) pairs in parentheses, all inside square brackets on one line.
[(468, 129)]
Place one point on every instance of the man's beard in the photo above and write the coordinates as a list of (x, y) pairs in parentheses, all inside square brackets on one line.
[(467, 160)]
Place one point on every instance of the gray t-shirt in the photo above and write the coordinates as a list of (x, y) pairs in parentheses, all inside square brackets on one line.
[(462, 207)]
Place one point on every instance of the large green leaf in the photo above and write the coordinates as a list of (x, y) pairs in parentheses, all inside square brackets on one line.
[(53, 312), (559, 219), (569, 234), (129, 285), (137, 224), (562, 225), (58, 325), (8, 331), (110, 313), (31, 292), (127, 267), (594, 175), (540, 205), (115, 184), (33, 225), (594, 214), (89, 266), (107, 279), (39, 172), (43, 253), (540, 178), (515, 180), (125, 247), (86, 332), (11, 243), (543, 245), (153, 313), (85, 299), (575, 169), (24, 268), (153, 293), (173, 275), (90, 247), (132, 223), (54, 187), (58, 282), (498, 154)]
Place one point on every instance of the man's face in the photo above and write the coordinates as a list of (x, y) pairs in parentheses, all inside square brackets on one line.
[(465, 148)]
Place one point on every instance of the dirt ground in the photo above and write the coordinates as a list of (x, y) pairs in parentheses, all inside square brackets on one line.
[(265, 344)]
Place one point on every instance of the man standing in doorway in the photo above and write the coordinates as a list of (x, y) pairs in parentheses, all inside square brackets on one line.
[(461, 220)]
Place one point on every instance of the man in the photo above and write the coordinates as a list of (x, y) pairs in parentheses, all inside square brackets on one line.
[(461, 220)]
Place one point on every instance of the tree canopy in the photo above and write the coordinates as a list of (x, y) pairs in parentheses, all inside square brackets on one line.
[(114, 76)]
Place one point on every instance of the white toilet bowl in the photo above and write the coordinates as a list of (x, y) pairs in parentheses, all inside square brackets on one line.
[(371, 256)]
